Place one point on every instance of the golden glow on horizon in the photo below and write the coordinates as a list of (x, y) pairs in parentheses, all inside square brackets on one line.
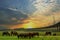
[(37, 21), (28, 25)]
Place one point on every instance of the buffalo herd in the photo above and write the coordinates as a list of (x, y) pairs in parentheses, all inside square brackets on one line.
[(29, 35), (25, 35)]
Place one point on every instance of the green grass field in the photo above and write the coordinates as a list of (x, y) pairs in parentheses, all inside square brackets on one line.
[(34, 38)]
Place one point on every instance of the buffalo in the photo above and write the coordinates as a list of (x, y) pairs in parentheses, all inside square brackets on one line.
[(54, 34), (29, 35), (14, 33), (48, 33), (5, 34)]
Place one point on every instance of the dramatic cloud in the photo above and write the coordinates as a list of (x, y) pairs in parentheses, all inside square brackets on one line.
[(29, 13), (8, 16), (47, 13)]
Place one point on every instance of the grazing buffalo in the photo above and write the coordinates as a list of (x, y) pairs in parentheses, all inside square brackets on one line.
[(36, 34), (29, 35), (14, 33), (54, 34), (33, 34), (23, 35), (48, 33), (5, 34)]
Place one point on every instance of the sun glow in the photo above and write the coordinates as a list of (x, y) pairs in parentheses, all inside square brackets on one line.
[(29, 25)]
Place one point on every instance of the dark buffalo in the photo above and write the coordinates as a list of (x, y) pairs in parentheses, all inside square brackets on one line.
[(22, 35), (54, 34), (14, 33), (5, 34), (36, 34), (29, 35), (48, 33)]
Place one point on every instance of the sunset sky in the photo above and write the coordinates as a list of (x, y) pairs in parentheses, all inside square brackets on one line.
[(29, 13)]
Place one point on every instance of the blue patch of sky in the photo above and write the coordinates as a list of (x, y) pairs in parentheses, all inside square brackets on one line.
[(58, 1), (57, 6), (24, 5)]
